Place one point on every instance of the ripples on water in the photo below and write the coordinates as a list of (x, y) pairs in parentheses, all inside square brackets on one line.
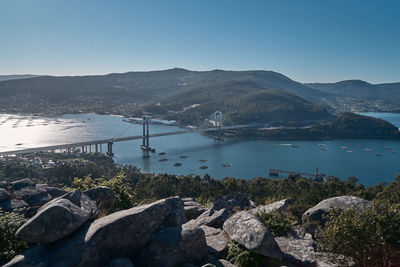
[(234, 158)]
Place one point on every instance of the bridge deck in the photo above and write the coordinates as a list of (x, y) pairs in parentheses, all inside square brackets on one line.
[(105, 141)]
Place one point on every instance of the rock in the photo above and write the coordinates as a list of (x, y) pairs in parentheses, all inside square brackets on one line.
[(58, 218), (120, 262), (34, 196), (14, 205), (104, 197), (247, 230), (344, 202), (52, 191), (225, 263), (17, 185), (176, 245), (212, 218), (217, 241), (4, 195), (299, 252), (278, 206), (120, 234), (192, 208), (229, 202), (4, 184)]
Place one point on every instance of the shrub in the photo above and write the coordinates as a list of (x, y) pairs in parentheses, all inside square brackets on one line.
[(239, 256), (369, 238), (9, 244), (276, 222)]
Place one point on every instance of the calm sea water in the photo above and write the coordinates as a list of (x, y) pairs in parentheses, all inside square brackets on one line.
[(247, 158)]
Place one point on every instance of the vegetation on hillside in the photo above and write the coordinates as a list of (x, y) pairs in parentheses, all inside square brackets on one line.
[(241, 101), (345, 125)]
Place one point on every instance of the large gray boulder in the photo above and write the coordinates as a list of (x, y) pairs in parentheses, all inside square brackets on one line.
[(213, 218), (104, 197), (58, 218), (121, 234), (343, 202), (34, 196), (297, 251), (4, 195), (17, 185), (277, 206), (176, 245), (230, 202), (217, 241), (247, 230)]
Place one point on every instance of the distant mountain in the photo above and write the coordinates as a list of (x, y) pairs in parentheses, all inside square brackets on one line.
[(241, 101), (16, 77), (122, 92), (358, 89)]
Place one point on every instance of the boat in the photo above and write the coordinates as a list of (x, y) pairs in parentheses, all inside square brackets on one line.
[(367, 149), (349, 151), (178, 164), (203, 160), (183, 157), (378, 155), (226, 165), (162, 153), (295, 146), (323, 148), (322, 145), (162, 160), (345, 147), (204, 167)]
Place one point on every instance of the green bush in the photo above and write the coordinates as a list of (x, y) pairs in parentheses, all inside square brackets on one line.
[(276, 222), (122, 189), (369, 238), (9, 244), (239, 256)]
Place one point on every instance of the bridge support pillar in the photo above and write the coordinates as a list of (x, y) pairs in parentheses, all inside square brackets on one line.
[(83, 149), (109, 149), (146, 137), (96, 148)]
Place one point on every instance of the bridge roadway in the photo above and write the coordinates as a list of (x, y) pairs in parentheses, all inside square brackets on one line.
[(120, 139)]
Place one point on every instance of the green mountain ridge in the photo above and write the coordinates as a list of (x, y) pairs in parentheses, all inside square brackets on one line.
[(241, 101), (359, 89)]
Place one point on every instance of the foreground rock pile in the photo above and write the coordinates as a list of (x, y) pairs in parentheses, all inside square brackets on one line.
[(66, 231)]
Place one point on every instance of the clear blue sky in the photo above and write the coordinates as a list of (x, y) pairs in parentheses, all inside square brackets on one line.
[(306, 40)]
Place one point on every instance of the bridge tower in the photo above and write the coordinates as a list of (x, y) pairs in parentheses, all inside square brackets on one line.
[(218, 123), (146, 136)]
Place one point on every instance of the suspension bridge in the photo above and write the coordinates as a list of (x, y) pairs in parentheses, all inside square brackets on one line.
[(216, 124)]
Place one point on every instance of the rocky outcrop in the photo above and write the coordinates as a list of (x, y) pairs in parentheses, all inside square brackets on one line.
[(34, 196), (343, 202), (121, 234), (103, 196), (247, 230), (192, 208), (213, 218), (175, 245), (26, 197), (58, 218), (217, 241), (18, 185), (4, 195), (237, 201), (277, 206)]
